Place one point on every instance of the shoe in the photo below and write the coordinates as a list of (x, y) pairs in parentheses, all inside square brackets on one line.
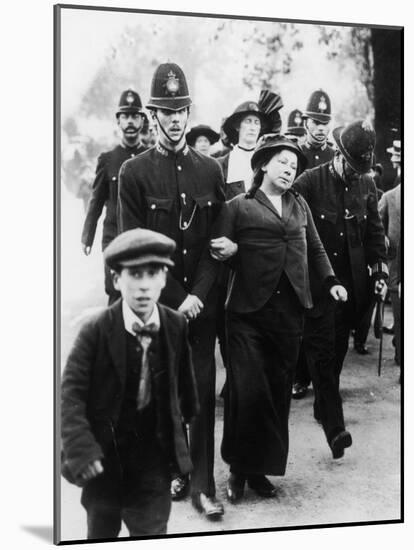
[(361, 348), (339, 443), (262, 486), (388, 330), (235, 487), (179, 487), (299, 390), (209, 506)]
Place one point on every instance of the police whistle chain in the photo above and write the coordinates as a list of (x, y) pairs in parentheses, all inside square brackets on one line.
[(379, 325)]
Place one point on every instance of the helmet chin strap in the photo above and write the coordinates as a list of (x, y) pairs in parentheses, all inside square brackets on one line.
[(173, 141)]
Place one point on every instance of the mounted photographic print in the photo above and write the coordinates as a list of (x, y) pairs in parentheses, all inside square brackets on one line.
[(228, 274)]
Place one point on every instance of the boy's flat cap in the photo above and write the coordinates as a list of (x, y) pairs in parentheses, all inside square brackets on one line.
[(138, 247)]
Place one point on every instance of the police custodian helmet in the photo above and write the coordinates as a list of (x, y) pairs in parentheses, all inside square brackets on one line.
[(169, 88), (356, 142), (295, 125), (130, 102), (318, 107)]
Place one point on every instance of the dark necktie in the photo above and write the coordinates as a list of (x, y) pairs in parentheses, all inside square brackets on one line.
[(144, 335)]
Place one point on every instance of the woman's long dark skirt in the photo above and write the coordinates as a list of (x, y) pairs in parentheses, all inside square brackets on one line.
[(263, 349)]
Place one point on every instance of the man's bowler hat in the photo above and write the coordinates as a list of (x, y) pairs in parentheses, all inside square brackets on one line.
[(356, 142), (137, 247)]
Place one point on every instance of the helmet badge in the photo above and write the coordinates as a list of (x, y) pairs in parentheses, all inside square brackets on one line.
[(322, 105), (130, 98), (173, 84), (297, 120)]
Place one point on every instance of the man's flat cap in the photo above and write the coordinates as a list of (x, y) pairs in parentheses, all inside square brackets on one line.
[(138, 247)]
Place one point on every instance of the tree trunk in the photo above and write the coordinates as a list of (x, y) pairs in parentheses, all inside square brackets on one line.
[(388, 63)]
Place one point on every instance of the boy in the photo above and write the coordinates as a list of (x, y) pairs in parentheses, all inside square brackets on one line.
[(127, 387)]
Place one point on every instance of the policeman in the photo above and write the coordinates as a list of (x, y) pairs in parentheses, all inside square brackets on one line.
[(178, 191), (316, 149), (317, 117), (130, 119), (296, 126), (202, 137), (343, 199)]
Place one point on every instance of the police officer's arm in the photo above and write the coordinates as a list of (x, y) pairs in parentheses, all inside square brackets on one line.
[(374, 239), (207, 268), (100, 194), (317, 255), (81, 450), (131, 203)]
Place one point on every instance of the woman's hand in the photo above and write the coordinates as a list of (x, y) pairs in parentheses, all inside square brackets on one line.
[(222, 248), (92, 470), (339, 293)]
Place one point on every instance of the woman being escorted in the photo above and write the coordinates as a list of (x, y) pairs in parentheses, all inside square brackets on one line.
[(270, 234)]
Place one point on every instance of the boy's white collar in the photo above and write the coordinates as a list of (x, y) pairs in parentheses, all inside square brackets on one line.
[(130, 317)]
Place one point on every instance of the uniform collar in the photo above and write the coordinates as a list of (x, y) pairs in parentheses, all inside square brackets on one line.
[(130, 318), (167, 153), (310, 146)]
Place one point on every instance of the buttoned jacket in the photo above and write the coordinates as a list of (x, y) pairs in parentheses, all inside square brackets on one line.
[(93, 387), (349, 225), (269, 245), (105, 194), (179, 195)]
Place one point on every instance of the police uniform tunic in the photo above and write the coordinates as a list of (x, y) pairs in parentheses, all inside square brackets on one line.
[(347, 219), (317, 155), (180, 194), (105, 193)]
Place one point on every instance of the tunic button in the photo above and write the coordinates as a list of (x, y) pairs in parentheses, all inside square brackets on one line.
[(132, 155), (335, 254), (185, 279), (317, 157), (113, 178), (185, 251), (277, 291), (365, 216), (179, 168), (153, 207), (341, 234), (209, 203), (322, 216), (185, 224), (346, 188)]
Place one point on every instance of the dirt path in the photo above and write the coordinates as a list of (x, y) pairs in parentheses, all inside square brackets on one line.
[(363, 486)]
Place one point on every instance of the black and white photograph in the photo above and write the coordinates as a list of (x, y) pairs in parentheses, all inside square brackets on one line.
[(229, 273)]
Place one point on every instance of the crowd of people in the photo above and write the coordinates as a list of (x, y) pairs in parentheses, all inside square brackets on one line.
[(274, 245)]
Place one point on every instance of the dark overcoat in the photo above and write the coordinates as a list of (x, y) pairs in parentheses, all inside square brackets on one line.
[(105, 193), (316, 156), (350, 228), (269, 245), (93, 387)]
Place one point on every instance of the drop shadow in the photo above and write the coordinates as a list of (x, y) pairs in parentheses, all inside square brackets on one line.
[(44, 532)]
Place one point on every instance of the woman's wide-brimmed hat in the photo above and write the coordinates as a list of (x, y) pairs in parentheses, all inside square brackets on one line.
[(275, 143), (230, 125), (202, 130), (356, 142)]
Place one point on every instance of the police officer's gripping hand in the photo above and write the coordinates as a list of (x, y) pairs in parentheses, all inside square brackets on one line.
[(380, 288), (339, 293), (222, 248), (92, 470), (191, 307), (86, 249)]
